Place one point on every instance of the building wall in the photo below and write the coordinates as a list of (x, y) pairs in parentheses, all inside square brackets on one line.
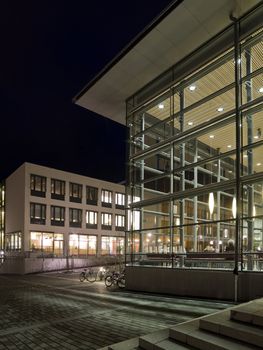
[(15, 201)]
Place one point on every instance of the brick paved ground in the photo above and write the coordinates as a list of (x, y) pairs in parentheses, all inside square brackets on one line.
[(56, 311)]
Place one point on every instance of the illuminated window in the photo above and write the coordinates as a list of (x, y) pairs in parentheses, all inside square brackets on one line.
[(38, 185), (57, 189), (112, 245), (75, 192), (13, 241), (119, 222), (82, 244), (106, 220), (91, 219), (47, 242), (106, 198), (119, 200), (37, 213)]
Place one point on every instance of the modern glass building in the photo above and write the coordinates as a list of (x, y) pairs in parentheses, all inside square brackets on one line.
[(195, 166)]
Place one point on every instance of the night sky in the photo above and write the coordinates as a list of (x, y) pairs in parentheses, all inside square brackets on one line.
[(49, 51)]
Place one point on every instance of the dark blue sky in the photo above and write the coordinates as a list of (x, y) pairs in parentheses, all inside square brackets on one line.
[(49, 51)]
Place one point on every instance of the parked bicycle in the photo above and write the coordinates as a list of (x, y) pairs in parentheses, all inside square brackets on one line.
[(115, 278), (91, 275)]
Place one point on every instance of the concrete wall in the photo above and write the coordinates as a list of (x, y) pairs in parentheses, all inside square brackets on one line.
[(15, 201), (194, 283)]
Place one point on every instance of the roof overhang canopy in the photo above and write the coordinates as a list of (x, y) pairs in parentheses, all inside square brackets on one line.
[(184, 26)]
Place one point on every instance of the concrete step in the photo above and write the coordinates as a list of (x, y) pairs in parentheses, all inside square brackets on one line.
[(130, 344), (146, 342), (190, 334), (221, 324), (251, 313), (169, 344)]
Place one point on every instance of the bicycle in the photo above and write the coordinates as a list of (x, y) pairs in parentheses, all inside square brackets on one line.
[(88, 275), (115, 278)]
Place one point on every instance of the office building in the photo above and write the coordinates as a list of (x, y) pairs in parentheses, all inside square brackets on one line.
[(52, 219)]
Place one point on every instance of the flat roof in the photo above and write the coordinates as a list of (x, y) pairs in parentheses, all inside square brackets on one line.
[(180, 29)]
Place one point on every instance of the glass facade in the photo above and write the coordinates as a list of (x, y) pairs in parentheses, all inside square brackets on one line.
[(195, 162)]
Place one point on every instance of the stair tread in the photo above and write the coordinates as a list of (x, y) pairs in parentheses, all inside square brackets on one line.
[(147, 341), (192, 335), (169, 344), (250, 313), (223, 325), (129, 344)]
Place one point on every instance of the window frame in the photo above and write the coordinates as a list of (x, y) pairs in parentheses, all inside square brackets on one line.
[(33, 185), (42, 219), (61, 184)]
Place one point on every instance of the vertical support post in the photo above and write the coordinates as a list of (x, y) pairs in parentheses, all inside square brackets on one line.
[(195, 197), (172, 178), (182, 176), (250, 188), (218, 200), (142, 176), (238, 148)]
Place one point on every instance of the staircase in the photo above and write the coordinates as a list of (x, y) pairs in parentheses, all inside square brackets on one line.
[(237, 328)]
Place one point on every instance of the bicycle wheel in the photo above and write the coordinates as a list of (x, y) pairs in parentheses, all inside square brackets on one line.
[(108, 281), (121, 282), (82, 277), (91, 277)]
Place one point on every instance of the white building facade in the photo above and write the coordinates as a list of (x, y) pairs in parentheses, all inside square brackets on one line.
[(55, 220)]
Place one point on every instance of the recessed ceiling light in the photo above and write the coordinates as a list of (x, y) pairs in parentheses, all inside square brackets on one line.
[(258, 164), (192, 87), (260, 90), (229, 146), (220, 109), (212, 136), (190, 123), (161, 105)]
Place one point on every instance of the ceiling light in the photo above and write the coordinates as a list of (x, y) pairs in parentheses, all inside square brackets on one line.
[(192, 87), (212, 136), (258, 164), (161, 105), (190, 123), (220, 109), (211, 202), (234, 207), (245, 155), (229, 146), (256, 137), (260, 90)]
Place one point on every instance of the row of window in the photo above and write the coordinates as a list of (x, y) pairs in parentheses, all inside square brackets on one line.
[(79, 244), (57, 217), (38, 186)]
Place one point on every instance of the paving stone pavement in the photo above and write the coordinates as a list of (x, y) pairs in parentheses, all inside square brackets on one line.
[(56, 311)]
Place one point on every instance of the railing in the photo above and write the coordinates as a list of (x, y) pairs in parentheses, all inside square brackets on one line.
[(215, 261)]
